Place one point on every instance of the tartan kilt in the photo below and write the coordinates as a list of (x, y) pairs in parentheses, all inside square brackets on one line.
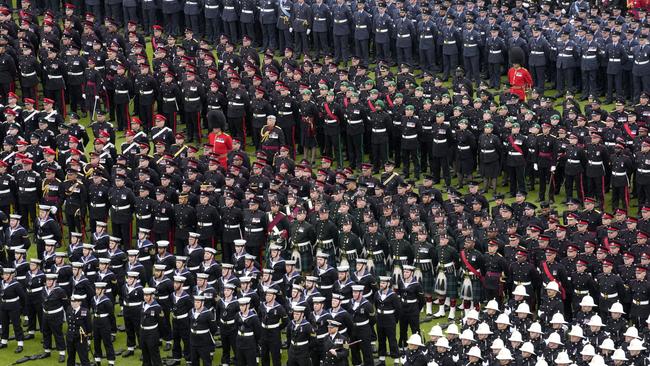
[(476, 290), (429, 282), (380, 268), (452, 285), (305, 260)]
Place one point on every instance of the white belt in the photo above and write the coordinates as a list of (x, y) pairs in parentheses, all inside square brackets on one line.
[(247, 11), (270, 326), (64, 284), (362, 323), (488, 151), (169, 99), (339, 21), (330, 121), (354, 122), (535, 52), (259, 115), (326, 287), (514, 153), (237, 104), (228, 322), (303, 244), (353, 251), (29, 74), (636, 302), (267, 10), (408, 137), (447, 265), (386, 312), (362, 26), (377, 252), (33, 290), (378, 130), (182, 316), (13, 299), (133, 304), (121, 207), (96, 205), (102, 315), (143, 217), (565, 55), (55, 76), (641, 63), (101, 250), (30, 189), (424, 260), (495, 52), (595, 162), (46, 237), (522, 283), (142, 259), (91, 273), (149, 327), (470, 45), (614, 60), (231, 226), (610, 143), (5, 191), (146, 92), (193, 99), (609, 296), (411, 301), (321, 336), (450, 42), (440, 141), (121, 91), (404, 35), (163, 297), (212, 6), (284, 113), (202, 331), (255, 230), (327, 241), (229, 8), (573, 161), (428, 128), (204, 224), (382, 30), (76, 73), (643, 171), (53, 311), (298, 344), (581, 292), (245, 334), (20, 278), (162, 218), (619, 174), (589, 57), (463, 147), (195, 268), (427, 37)]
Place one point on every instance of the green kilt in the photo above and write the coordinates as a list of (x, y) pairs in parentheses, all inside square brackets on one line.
[(428, 282), (305, 259), (451, 281), (476, 292)]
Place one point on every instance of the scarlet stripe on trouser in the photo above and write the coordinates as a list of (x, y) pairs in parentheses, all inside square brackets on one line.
[(198, 125), (243, 126), (626, 196), (65, 111), (602, 204)]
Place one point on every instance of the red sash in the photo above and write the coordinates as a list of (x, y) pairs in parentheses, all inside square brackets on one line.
[(371, 106), (550, 276), (390, 101), (626, 127), (469, 266), (330, 115), (515, 146), (274, 222), (345, 102)]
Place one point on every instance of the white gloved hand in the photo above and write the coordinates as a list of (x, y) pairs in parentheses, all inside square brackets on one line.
[(535, 166), (553, 168), (308, 31), (53, 210), (402, 360), (83, 95), (290, 30)]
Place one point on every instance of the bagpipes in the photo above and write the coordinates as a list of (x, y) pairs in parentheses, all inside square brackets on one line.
[(311, 126)]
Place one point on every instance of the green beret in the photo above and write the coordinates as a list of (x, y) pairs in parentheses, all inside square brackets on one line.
[(391, 83), (370, 82), (427, 101), (399, 95), (354, 95), (462, 122), (445, 95), (345, 83), (380, 103), (374, 91), (536, 125), (306, 92), (555, 116), (410, 107), (488, 125), (419, 88), (515, 125), (323, 87), (331, 92), (440, 114)]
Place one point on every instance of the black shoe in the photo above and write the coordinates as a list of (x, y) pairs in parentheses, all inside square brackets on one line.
[(3, 345), (128, 353), (61, 358), (29, 336), (173, 363), (18, 349)]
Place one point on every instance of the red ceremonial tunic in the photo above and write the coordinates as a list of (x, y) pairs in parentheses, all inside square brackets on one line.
[(222, 145), (520, 80)]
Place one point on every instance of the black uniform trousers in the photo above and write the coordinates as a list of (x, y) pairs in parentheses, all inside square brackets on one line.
[(517, 179), (285, 39), (538, 73), (404, 54), (494, 70), (123, 231), (471, 65), (8, 317), (565, 80), (301, 42), (28, 213), (269, 38), (34, 310), (595, 188), (246, 357), (193, 22), (409, 155), (643, 191), (270, 347), (131, 316), (150, 347), (621, 194), (237, 127), (406, 320), (382, 50), (427, 59), (193, 125), (570, 181), (355, 150), (77, 346), (149, 19), (171, 23), (74, 222), (228, 343), (438, 162), (386, 333), (145, 112), (76, 98), (53, 326), (181, 333), (201, 355), (341, 48), (615, 81), (544, 176), (363, 333), (379, 155), (449, 64), (299, 356), (361, 49), (212, 29), (122, 116), (102, 335), (589, 82), (640, 84), (333, 148)]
